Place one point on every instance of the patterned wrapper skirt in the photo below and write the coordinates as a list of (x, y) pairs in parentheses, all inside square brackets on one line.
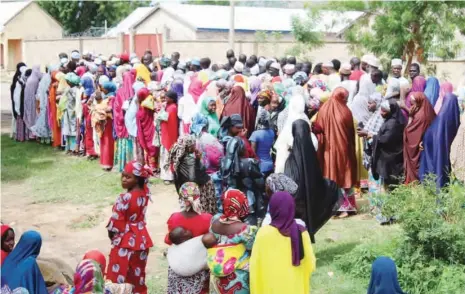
[(196, 284), (124, 152)]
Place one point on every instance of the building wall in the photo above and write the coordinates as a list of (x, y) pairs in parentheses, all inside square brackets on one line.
[(33, 23), (45, 52), (162, 22)]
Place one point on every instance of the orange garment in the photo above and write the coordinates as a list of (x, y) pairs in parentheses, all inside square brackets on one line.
[(53, 120), (336, 145)]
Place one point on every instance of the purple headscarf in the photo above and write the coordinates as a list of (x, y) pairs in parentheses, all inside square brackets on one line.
[(178, 87), (418, 85), (282, 211), (255, 88), (32, 84)]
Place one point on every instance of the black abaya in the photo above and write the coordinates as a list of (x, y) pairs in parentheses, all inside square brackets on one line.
[(316, 197)]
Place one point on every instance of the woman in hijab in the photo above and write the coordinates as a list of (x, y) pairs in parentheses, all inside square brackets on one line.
[(89, 278), (314, 202), (107, 141), (68, 107), (41, 128), (190, 103), (124, 147), (432, 90), (282, 258), (14, 81), (446, 88), (191, 218), (262, 140), (208, 109), (169, 135), (30, 91), (457, 156), (210, 148), (336, 149), (418, 85), (277, 105), (255, 87), (87, 101), (130, 121), (235, 239), (22, 133), (384, 277), (185, 163), (146, 128), (53, 110), (20, 271), (142, 74), (420, 118), (435, 158), (238, 104), (7, 241)]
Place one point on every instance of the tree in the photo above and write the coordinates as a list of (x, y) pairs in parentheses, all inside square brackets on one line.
[(78, 16), (401, 28), (208, 2)]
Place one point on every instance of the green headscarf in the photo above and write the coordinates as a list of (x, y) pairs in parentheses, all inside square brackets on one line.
[(213, 121)]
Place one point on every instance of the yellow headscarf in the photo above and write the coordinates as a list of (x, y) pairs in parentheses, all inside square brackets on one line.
[(143, 73)]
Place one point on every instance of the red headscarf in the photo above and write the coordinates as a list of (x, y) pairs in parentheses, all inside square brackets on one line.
[(196, 88), (145, 127), (276, 80), (139, 170), (4, 254), (124, 58), (336, 148), (421, 116), (238, 104), (142, 94), (80, 71), (235, 206), (98, 257)]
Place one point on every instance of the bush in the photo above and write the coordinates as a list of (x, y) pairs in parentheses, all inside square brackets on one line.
[(430, 253)]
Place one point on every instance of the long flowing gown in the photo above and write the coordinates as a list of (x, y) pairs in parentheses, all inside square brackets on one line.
[(238, 104), (435, 159), (53, 118), (145, 133), (69, 118), (41, 128), (169, 136), (32, 84)]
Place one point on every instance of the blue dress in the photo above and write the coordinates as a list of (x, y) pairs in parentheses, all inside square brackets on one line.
[(264, 140)]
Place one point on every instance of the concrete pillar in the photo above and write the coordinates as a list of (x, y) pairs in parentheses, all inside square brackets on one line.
[(132, 43), (81, 45), (120, 42)]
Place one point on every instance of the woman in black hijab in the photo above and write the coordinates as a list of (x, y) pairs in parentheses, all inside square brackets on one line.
[(388, 160), (316, 197), (13, 86)]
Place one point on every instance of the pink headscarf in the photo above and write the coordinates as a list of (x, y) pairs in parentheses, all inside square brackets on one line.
[(80, 71), (196, 88), (124, 93), (446, 88)]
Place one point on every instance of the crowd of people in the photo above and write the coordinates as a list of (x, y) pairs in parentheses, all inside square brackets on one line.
[(262, 153)]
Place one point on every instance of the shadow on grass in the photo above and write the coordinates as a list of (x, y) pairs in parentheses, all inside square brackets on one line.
[(21, 160), (326, 256)]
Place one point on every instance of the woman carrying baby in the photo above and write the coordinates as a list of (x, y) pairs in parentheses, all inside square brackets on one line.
[(229, 259), (189, 223)]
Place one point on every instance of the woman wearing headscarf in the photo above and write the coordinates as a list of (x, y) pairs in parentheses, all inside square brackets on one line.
[(445, 88), (169, 135), (146, 128), (235, 240), (105, 126), (282, 258), (255, 88), (208, 109), (67, 106), (314, 201), (336, 149), (130, 120), (143, 74), (277, 105), (14, 82), (41, 128), (88, 85), (7, 242), (238, 104), (127, 229), (432, 90), (262, 140), (88, 278), (224, 91), (124, 147), (185, 162), (418, 85), (420, 118), (190, 103), (20, 271), (30, 91), (457, 156), (435, 158), (22, 133), (384, 277), (191, 218)]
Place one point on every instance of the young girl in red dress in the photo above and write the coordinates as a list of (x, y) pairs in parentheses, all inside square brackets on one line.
[(127, 229)]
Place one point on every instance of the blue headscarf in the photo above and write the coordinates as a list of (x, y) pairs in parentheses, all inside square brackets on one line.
[(20, 268), (438, 138), (88, 85), (178, 87), (432, 90), (384, 277), (199, 122), (110, 87)]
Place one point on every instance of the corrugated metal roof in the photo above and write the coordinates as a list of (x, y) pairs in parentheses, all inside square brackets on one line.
[(213, 17), (126, 24), (9, 9)]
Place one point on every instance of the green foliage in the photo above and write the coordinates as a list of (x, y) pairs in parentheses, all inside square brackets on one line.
[(208, 2), (430, 253), (78, 16)]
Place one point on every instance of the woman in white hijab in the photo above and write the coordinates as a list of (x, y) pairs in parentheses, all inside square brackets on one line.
[(285, 138)]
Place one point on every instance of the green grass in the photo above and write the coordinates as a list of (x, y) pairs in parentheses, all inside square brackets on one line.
[(50, 176)]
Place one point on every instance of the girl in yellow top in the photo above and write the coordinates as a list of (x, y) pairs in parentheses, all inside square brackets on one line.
[(282, 257)]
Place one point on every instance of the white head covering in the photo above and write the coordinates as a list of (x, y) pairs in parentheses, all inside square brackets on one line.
[(396, 62), (255, 70), (365, 58), (75, 55), (385, 106), (238, 66), (276, 65), (328, 64), (64, 61), (103, 58), (373, 61), (98, 61), (102, 79), (359, 105), (345, 69), (262, 61), (135, 61)]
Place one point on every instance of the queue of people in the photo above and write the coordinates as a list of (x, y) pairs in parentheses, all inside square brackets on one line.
[(262, 152)]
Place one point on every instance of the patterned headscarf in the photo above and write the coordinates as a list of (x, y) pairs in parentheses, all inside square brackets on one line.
[(178, 150), (111, 88), (189, 193), (263, 122), (88, 278), (317, 84), (235, 206), (73, 78), (265, 93), (199, 122), (136, 168), (281, 183)]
